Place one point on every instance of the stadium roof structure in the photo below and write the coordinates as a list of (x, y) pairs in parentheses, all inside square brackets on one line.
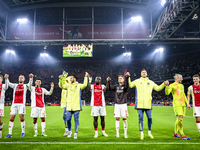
[(170, 24)]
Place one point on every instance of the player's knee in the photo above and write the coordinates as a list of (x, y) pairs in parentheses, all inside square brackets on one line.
[(43, 119), (102, 118), (1, 122), (64, 117), (12, 117), (95, 119), (150, 120)]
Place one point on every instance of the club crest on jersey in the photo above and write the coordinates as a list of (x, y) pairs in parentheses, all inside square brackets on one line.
[(148, 83)]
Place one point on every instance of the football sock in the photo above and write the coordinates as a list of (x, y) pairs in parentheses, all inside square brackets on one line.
[(35, 126), (176, 126), (180, 123), (11, 124), (23, 125), (125, 125), (198, 125), (43, 124), (117, 125)]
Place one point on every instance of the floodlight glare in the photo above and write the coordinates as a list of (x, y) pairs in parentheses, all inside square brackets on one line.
[(137, 18), (127, 54), (10, 51), (163, 2), (159, 50), (22, 20), (44, 54)]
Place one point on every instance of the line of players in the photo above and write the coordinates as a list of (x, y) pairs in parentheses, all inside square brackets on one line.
[(19, 101), (78, 49), (143, 86), (143, 101)]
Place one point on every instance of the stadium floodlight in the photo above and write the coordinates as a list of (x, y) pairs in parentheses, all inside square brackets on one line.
[(10, 51), (163, 2), (22, 20), (44, 54), (127, 54), (136, 18), (159, 50)]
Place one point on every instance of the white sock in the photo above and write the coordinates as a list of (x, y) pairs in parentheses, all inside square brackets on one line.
[(23, 126), (117, 125), (66, 129), (149, 132), (198, 126), (35, 127), (141, 132), (11, 124), (43, 124), (125, 126), (96, 132)]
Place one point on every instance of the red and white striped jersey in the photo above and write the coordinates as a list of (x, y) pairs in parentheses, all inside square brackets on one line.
[(19, 91), (97, 95), (194, 91), (3, 88), (37, 96)]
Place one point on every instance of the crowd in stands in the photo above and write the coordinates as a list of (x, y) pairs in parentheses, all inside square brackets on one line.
[(158, 71)]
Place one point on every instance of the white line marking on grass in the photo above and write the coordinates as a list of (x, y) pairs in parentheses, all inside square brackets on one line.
[(100, 143)]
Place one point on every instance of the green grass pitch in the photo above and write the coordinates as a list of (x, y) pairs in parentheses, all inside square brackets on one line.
[(162, 129)]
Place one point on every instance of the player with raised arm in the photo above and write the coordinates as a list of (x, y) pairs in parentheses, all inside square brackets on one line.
[(143, 98), (19, 101), (179, 101), (74, 105), (194, 91), (38, 105), (120, 102), (3, 88), (64, 102), (98, 104)]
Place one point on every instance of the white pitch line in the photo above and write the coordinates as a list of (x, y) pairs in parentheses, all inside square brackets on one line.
[(100, 143)]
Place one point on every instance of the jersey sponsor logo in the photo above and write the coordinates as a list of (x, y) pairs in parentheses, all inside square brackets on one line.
[(196, 92), (120, 91), (96, 90)]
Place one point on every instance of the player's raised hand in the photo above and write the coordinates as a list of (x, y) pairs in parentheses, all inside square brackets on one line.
[(128, 74), (6, 76), (166, 83), (108, 79), (86, 74), (52, 84), (31, 75), (188, 106), (90, 79)]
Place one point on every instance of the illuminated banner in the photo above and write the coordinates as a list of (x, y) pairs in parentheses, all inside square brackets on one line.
[(21, 32)]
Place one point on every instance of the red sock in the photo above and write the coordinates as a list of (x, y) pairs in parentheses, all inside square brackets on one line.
[(103, 129), (95, 129)]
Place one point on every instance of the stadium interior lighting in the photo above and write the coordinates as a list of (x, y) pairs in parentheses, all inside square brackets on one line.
[(122, 46), (163, 2), (136, 18), (10, 51), (159, 50), (44, 54), (22, 20), (127, 54)]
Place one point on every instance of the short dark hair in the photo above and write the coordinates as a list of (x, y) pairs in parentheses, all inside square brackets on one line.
[(121, 76), (22, 75), (143, 70), (1, 76), (196, 75), (75, 76), (39, 79)]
